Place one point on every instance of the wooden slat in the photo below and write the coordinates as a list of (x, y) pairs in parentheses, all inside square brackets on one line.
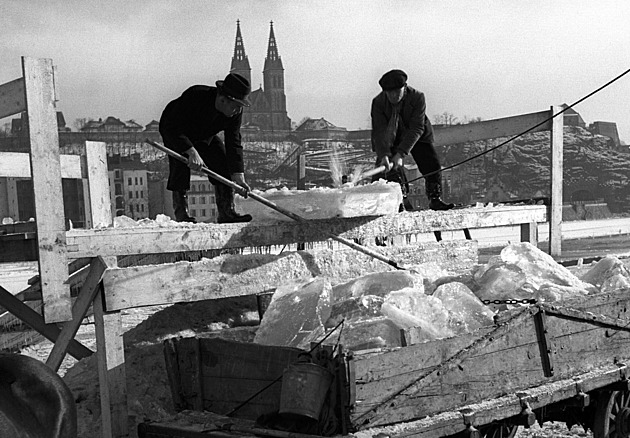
[(255, 273), (504, 127), (46, 171), (12, 98), (35, 320), (18, 165), (126, 241), (82, 304)]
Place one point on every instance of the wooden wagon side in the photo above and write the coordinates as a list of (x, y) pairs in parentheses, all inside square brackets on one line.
[(531, 347)]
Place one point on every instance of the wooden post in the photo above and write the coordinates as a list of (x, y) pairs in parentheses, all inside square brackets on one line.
[(301, 185), (555, 217), (110, 351), (46, 171), (529, 233), (301, 172), (112, 376)]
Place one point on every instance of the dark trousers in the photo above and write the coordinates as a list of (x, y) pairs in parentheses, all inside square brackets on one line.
[(214, 157), (426, 158)]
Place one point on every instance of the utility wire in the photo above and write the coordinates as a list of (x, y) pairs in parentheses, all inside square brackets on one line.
[(524, 132)]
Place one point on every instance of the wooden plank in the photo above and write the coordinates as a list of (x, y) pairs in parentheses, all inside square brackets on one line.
[(12, 100), (46, 171), (555, 217), (82, 304), (234, 275), (504, 127), (35, 320), (98, 184), (18, 165), (145, 240)]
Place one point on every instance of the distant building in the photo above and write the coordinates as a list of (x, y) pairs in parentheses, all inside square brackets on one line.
[(111, 124), (572, 117), (128, 188), (608, 129), (268, 110), (320, 129), (201, 199)]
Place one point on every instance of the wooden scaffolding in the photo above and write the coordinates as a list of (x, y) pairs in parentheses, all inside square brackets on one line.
[(87, 258)]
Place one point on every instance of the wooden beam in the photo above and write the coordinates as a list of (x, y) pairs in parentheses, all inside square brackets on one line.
[(18, 165), (235, 275), (35, 320), (145, 240), (46, 171), (12, 99), (555, 219), (88, 292), (504, 127)]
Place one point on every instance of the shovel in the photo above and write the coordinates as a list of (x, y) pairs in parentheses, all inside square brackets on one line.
[(274, 206)]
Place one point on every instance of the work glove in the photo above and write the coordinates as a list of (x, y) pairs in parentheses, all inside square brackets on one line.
[(239, 178)]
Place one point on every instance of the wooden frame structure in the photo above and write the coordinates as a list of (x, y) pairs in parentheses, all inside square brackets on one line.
[(109, 289)]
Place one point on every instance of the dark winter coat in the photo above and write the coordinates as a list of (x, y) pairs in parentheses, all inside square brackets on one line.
[(414, 125), (192, 120)]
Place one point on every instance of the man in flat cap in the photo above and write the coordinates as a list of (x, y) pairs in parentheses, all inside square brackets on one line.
[(400, 127), (189, 125)]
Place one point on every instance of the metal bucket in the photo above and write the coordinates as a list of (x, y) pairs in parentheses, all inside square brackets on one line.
[(304, 389)]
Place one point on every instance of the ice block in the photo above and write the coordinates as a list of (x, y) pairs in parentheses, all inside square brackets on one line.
[(376, 199)]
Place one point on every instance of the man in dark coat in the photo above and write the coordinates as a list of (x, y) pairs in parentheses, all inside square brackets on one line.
[(189, 125), (400, 127)]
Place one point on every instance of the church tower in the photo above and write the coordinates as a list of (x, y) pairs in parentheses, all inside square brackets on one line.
[(273, 83), (240, 63)]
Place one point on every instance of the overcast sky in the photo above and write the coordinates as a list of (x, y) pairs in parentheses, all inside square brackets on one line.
[(472, 58)]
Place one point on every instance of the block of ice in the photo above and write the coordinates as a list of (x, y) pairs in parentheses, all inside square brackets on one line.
[(354, 308), (295, 310), (378, 283), (540, 268), (501, 281), (361, 334), (608, 274), (375, 199), (466, 312), (411, 308)]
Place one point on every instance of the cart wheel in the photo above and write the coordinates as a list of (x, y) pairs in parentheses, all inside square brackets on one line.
[(612, 418), (498, 430)]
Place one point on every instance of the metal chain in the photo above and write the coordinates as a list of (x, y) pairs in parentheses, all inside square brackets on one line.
[(511, 301)]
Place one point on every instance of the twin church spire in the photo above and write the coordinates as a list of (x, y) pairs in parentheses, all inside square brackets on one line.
[(268, 110)]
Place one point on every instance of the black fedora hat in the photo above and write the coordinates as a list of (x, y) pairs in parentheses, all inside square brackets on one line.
[(235, 87)]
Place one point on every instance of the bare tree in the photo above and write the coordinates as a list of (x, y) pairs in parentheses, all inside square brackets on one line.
[(445, 118)]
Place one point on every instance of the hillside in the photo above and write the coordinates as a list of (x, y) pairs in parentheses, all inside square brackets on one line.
[(592, 168)]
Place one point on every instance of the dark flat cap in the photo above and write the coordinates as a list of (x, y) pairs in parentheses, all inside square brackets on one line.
[(393, 79)]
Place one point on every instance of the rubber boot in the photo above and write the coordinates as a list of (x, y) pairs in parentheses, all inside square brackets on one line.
[(224, 196), (180, 205), (433, 188)]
